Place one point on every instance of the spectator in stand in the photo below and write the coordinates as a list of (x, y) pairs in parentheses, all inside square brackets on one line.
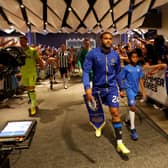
[(160, 50), (123, 53), (7, 43), (148, 52)]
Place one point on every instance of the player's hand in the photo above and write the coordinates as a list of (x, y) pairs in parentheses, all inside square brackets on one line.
[(144, 97), (89, 95), (122, 94)]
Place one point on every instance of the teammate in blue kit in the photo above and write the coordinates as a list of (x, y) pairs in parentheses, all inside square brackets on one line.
[(105, 64), (132, 76)]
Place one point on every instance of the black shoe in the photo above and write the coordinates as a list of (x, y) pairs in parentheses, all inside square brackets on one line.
[(127, 123), (51, 85)]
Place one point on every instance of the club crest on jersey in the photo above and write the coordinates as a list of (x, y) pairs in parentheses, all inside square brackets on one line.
[(138, 70), (113, 61)]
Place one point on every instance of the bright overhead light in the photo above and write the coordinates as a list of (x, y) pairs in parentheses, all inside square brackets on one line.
[(22, 6), (11, 26), (111, 11), (69, 9), (115, 32), (9, 30), (44, 32)]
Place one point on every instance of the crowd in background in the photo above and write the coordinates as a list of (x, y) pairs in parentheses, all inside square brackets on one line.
[(150, 52)]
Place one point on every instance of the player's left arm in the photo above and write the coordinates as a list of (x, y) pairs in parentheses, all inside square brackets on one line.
[(119, 75), (141, 83)]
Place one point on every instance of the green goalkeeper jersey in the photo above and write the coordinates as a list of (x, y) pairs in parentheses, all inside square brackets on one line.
[(30, 63)]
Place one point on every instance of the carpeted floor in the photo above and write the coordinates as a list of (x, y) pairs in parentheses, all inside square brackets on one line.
[(64, 138)]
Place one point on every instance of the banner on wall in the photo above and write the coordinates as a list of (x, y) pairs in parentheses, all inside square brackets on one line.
[(78, 43), (156, 85)]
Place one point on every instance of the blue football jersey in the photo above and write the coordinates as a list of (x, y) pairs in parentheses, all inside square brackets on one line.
[(131, 76)]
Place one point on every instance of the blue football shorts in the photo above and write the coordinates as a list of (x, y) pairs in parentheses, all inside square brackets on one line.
[(109, 96), (131, 96)]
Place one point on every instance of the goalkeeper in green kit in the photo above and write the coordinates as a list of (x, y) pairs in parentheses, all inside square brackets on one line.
[(29, 73)]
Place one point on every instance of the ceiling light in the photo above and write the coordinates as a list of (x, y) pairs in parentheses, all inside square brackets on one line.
[(22, 6), (11, 26), (69, 9), (115, 32), (113, 25), (28, 29), (10, 30), (111, 11), (45, 32), (63, 29)]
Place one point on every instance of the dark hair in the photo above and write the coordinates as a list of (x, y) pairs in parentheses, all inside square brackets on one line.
[(105, 32), (126, 47), (23, 37), (86, 39), (139, 52), (150, 50), (159, 40), (131, 53)]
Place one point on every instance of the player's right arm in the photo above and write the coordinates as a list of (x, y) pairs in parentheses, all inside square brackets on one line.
[(89, 94)]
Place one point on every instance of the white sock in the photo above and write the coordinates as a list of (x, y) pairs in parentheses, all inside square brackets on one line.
[(119, 141), (132, 119)]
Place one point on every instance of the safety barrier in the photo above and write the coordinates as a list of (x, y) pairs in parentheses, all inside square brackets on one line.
[(156, 84)]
